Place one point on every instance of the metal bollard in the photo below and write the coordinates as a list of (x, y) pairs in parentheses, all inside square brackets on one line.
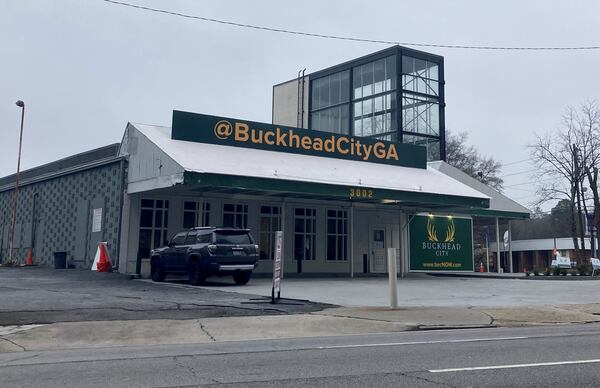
[(393, 275)]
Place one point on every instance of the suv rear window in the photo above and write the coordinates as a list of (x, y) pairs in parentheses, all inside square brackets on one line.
[(233, 237)]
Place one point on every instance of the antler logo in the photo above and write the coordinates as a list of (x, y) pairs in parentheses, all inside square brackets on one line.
[(432, 232), (450, 232)]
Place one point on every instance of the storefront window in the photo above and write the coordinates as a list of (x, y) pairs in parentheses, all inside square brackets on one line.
[(235, 215), (270, 222), (196, 214), (154, 216), (305, 233), (337, 235)]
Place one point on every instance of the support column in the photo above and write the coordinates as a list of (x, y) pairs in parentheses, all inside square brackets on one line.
[(124, 232), (351, 226), (282, 215), (497, 245), (510, 260)]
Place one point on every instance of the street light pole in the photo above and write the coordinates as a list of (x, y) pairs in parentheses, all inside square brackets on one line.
[(11, 237)]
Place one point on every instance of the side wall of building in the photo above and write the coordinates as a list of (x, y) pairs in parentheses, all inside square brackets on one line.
[(285, 103), (57, 215)]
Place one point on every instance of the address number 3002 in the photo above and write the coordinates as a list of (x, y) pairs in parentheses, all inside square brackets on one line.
[(361, 193)]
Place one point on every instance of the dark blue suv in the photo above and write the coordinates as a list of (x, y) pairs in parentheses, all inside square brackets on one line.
[(206, 251)]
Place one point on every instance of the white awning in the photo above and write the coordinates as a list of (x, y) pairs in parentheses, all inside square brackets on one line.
[(247, 162)]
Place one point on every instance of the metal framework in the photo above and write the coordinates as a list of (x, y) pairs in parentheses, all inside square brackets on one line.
[(400, 91)]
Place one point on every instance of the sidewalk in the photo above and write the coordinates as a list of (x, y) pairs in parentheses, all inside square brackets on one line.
[(329, 322)]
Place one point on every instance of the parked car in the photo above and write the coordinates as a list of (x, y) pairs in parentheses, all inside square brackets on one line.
[(206, 251)]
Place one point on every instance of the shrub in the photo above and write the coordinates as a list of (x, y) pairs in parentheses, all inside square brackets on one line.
[(584, 268)]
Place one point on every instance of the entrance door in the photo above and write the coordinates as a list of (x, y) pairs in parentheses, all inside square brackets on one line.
[(378, 244), (382, 237)]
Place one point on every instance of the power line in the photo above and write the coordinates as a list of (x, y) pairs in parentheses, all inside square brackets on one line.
[(529, 191), (317, 35), (530, 182), (517, 162), (518, 173)]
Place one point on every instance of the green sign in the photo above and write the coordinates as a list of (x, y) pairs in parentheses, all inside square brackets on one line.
[(441, 244), (242, 133)]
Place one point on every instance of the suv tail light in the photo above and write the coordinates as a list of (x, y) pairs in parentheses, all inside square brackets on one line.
[(212, 249)]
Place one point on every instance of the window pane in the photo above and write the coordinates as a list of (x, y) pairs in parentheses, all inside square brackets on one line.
[(189, 220), (264, 247), (420, 114), (334, 85), (345, 86), (315, 90), (379, 76), (144, 244), (357, 83), (331, 225), (146, 218), (158, 217), (147, 203), (157, 238), (188, 205), (390, 73), (228, 220), (331, 248), (432, 144)]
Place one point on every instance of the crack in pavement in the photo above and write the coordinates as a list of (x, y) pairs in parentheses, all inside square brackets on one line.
[(206, 332), (14, 343), (191, 369), (492, 319)]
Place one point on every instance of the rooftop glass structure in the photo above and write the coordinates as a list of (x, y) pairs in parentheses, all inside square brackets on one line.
[(396, 94)]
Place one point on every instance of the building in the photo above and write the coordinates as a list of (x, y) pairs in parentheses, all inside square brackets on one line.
[(351, 165), (537, 254), (66, 206)]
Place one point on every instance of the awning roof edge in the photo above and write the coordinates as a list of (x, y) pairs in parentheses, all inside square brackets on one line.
[(229, 166)]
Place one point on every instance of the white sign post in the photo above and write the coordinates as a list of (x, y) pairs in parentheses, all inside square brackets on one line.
[(393, 276), (276, 290)]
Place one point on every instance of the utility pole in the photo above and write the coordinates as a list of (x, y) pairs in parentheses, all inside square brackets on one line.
[(11, 234)]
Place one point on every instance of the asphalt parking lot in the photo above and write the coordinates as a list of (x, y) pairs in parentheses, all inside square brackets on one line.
[(422, 290), (41, 295)]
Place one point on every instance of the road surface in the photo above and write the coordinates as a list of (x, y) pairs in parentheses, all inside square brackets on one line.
[(536, 356)]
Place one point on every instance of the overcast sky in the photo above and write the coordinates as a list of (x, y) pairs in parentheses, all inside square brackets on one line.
[(85, 67)]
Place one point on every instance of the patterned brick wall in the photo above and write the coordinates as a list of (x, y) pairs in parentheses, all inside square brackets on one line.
[(63, 208)]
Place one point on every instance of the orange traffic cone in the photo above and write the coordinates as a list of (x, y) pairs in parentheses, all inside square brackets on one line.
[(29, 258), (102, 260), (481, 268)]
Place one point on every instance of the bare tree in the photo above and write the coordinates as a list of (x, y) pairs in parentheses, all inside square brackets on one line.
[(586, 121), (466, 158), (567, 156)]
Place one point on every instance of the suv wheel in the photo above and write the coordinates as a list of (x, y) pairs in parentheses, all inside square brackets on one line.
[(195, 273), (157, 271), (242, 277)]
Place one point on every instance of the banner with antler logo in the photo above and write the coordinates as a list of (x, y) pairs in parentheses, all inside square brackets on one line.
[(440, 243)]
